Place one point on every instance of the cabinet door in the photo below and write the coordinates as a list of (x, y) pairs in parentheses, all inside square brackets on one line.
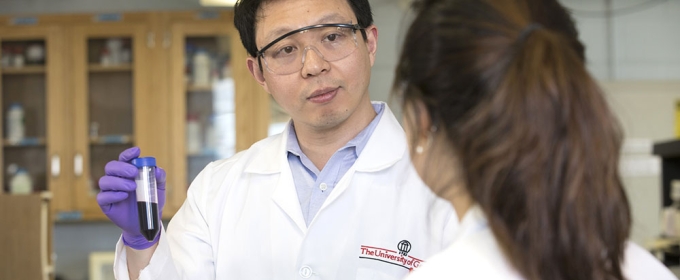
[(111, 102), (217, 110), (34, 112)]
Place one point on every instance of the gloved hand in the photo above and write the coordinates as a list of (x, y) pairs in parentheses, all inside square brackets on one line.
[(118, 199)]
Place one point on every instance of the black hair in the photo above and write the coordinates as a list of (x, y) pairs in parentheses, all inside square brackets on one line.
[(245, 19)]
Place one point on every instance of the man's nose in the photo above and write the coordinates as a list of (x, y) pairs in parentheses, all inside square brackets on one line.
[(313, 63)]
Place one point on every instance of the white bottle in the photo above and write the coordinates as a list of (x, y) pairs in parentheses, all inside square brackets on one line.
[(670, 216), (21, 182), (15, 123), (18, 60), (201, 67), (193, 135), (210, 135), (114, 46)]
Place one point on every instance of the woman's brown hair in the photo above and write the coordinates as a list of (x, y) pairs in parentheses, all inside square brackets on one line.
[(537, 144)]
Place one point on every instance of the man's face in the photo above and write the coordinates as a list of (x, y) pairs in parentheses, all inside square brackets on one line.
[(322, 95)]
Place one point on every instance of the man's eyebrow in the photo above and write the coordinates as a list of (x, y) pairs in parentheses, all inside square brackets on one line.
[(330, 18)]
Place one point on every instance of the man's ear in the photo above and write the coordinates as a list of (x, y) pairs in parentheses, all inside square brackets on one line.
[(372, 42), (254, 69)]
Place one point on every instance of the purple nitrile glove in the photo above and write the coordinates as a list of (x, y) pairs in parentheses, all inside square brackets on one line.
[(118, 199)]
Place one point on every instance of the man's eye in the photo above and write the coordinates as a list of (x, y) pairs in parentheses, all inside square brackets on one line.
[(332, 37), (286, 50)]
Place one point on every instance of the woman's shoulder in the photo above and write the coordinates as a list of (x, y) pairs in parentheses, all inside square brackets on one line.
[(473, 256), (639, 264)]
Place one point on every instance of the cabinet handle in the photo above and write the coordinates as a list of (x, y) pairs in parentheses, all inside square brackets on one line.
[(55, 166), (78, 164), (150, 40)]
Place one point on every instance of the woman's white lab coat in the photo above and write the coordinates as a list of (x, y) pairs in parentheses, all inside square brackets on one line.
[(242, 219), (475, 254)]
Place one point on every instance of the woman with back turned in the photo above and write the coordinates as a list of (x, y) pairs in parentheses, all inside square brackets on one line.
[(506, 123)]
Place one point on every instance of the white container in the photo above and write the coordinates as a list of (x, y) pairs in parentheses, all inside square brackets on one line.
[(211, 135), (21, 183), (201, 69), (193, 135), (18, 60), (15, 123), (6, 59), (115, 46), (35, 54)]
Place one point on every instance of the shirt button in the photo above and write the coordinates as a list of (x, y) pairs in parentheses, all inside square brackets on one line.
[(306, 272), (323, 186)]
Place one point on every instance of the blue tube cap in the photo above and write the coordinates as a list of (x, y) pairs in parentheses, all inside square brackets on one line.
[(144, 161)]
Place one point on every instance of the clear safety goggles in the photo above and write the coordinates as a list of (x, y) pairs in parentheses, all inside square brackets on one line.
[(286, 54)]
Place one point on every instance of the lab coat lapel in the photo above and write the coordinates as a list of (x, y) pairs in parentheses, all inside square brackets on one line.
[(384, 148), (285, 196), (274, 159)]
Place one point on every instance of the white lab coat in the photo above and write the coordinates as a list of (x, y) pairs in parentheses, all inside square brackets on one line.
[(242, 219), (475, 254)]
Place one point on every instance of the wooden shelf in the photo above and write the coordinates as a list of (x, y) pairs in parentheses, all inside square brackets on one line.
[(23, 70), (111, 140), (199, 89), (26, 142), (109, 68)]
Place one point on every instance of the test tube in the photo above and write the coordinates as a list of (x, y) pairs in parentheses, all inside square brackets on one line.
[(147, 197)]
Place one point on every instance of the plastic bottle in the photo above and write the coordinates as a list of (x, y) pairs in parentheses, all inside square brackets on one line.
[(114, 46), (193, 135), (147, 197), (15, 123), (18, 58), (210, 135), (201, 67), (670, 220), (21, 182)]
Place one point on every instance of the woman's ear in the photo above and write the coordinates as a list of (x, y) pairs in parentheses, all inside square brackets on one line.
[(422, 116)]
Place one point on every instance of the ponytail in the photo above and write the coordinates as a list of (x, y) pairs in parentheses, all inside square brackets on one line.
[(536, 142), (544, 165)]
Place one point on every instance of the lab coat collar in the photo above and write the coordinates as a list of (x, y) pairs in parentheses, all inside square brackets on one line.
[(384, 148)]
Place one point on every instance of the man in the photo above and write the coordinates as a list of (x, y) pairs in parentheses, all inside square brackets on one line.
[(333, 197)]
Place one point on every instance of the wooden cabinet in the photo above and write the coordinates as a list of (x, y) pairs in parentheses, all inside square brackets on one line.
[(112, 108), (173, 83), (25, 238), (31, 67), (217, 108)]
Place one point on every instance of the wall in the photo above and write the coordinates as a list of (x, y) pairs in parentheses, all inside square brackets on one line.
[(646, 112), (73, 243), (645, 40), (392, 22)]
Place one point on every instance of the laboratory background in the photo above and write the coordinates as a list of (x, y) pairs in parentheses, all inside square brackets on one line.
[(82, 80)]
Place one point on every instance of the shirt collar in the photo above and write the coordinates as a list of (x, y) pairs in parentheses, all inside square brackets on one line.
[(358, 142), (386, 146)]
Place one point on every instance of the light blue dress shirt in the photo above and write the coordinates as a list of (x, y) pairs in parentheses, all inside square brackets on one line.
[(314, 186)]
